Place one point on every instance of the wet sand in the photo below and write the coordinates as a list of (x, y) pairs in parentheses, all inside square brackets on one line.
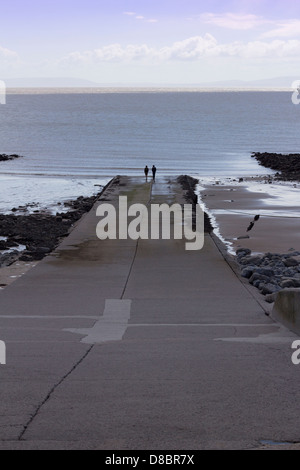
[(233, 206)]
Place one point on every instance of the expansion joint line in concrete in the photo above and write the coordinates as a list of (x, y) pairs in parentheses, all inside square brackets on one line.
[(21, 436), (136, 249)]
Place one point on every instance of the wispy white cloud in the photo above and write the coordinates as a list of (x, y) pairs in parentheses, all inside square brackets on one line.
[(140, 17), (233, 21), (289, 28), (8, 54), (190, 49)]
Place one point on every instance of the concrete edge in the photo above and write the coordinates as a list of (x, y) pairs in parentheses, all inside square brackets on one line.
[(286, 309), (232, 263)]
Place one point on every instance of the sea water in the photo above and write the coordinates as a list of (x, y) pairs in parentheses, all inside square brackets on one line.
[(73, 142)]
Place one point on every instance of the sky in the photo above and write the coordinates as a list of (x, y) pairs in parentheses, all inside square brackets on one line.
[(150, 41)]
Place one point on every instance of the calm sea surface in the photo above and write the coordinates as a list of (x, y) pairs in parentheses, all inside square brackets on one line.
[(96, 136), (105, 134)]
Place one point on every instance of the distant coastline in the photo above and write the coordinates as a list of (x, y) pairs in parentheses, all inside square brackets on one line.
[(103, 90)]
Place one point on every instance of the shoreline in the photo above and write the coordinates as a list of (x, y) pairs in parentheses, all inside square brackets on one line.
[(255, 221), (230, 206), (27, 238)]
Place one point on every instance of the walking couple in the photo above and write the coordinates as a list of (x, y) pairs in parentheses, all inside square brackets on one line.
[(146, 171)]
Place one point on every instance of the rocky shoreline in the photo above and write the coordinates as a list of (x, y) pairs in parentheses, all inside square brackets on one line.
[(6, 158), (32, 237), (270, 272), (287, 166)]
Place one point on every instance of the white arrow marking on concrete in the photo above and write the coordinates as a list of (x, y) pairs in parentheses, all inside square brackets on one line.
[(110, 327)]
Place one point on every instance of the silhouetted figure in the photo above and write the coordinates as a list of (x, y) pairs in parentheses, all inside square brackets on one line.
[(256, 218), (146, 171), (250, 227), (154, 171)]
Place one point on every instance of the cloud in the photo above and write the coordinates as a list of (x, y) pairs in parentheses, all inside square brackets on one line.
[(290, 28), (111, 53), (233, 20), (7, 54), (140, 17), (190, 49), (260, 49)]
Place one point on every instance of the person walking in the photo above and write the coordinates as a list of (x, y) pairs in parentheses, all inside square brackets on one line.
[(146, 171), (154, 171)]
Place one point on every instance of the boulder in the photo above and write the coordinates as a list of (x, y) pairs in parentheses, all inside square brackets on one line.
[(8, 258), (259, 277), (269, 288), (290, 262), (243, 252), (248, 271)]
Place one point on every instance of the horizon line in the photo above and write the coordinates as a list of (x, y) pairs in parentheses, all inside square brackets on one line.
[(141, 88)]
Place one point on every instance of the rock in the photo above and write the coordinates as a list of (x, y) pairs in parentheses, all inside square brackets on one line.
[(5, 158), (287, 165), (269, 288), (265, 271), (270, 272), (3, 245), (26, 257), (42, 249), (291, 282), (247, 272), (258, 277), (40, 232), (256, 260), (289, 262), (8, 258), (257, 283), (243, 252), (287, 283)]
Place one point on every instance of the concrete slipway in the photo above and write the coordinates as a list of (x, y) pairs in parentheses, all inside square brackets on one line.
[(123, 344)]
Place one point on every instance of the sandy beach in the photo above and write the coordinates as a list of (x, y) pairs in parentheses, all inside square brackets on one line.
[(232, 206)]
